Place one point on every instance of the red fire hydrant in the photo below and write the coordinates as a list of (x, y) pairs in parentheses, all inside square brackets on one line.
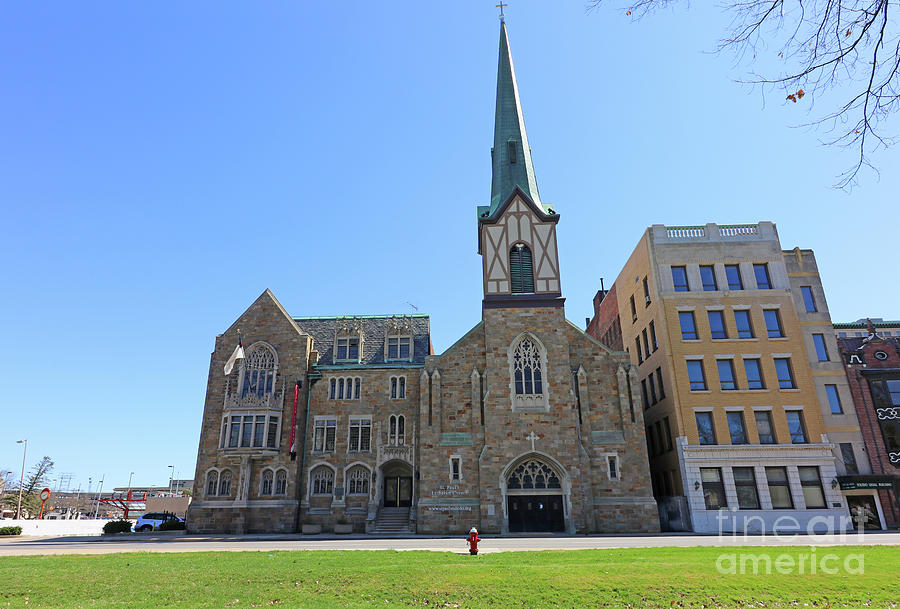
[(473, 540)]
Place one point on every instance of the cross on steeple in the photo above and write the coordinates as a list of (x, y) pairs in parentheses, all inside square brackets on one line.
[(532, 437), (500, 6)]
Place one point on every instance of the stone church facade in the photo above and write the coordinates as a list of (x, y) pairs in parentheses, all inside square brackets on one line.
[(525, 424)]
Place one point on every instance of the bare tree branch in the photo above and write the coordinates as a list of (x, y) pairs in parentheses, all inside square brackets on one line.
[(851, 47)]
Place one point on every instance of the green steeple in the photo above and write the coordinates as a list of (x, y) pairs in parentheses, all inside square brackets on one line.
[(511, 155)]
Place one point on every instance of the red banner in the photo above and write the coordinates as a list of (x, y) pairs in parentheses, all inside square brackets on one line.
[(294, 420)]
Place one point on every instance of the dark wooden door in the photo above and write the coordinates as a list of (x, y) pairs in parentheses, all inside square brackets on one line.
[(535, 513)]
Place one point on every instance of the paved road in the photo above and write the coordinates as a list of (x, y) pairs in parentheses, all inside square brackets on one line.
[(21, 546)]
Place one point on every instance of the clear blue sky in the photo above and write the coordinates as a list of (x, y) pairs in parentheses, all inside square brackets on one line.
[(161, 165)]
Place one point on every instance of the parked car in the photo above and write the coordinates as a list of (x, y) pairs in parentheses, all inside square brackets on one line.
[(152, 520)]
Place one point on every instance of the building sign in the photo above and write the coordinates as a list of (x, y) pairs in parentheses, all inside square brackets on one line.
[(449, 490), (854, 483), (854, 358)]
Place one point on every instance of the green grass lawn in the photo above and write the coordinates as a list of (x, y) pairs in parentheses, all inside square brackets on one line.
[(664, 577)]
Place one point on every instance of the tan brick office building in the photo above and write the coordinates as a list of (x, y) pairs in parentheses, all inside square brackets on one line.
[(525, 424), (744, 397)]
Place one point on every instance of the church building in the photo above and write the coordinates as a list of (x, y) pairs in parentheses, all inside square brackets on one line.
[(525, 424)]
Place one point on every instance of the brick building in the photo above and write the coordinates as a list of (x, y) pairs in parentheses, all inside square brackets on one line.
[(525, 424), (738, 370), (873, 370)]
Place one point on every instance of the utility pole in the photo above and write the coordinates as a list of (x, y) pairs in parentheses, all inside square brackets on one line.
[(99, 493), (22, 479), (171, 477), (128, 492)]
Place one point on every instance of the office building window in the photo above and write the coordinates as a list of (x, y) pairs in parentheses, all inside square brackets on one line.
[(659, 381), (706, 433), (633, 310), (821, 349), (688, 327), (796, 426), (764, 427), (834, 400), (646, 293), (736, 427), (811, 483), (644, 396), (785, 373), (742, 321), (849, 458), (679, 278), (652, 388), (773, 323), (733, 275), (653, 340), (347, 348), (717, 324), (726, 375), (668, 434), (779, 489), (696, 375), (762, 276), (646, 343), (637, 349), (754, 374), (708, 277), (809, 300), (713, 489), (745, 487), (323, 435), (360, 435)]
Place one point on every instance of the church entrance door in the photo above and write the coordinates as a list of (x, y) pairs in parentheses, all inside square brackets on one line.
[(535, 513), (397, 491)]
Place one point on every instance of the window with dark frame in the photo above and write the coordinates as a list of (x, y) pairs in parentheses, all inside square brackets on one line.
[(679, 279), (644, 397), (652, 386), (646, 293), (688, 326), (796, 426), (785, 373), (743, 323), (633, 310), (708, 278), (821, 348), (713, 489), (773, 323), (809, 300), (696, 375), (637, 349), (646, 343), (736, 427), (348, 348), (762, 276), (733, 275), (727, 381), (779, 488), (764, 428), (653, 339), (398, 347), (753, 371), (834, 400), (717, 324), (745, 488), (659, 381), (849, 458), (706, 432), (668, 434), (811, 483)]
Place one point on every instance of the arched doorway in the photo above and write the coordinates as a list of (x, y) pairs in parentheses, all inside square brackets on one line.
[(535, 495), (396, 484)]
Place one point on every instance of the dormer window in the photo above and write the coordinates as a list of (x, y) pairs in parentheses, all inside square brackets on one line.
[(347, 348), (512, 151), (398, 347), (521, 272)]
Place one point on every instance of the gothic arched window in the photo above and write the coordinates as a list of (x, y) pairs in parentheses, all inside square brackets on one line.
[(322, 480), (358, 481), (281, 482), (212, 483), (259, 371), (266, 486), (396, 430), (225, 483), (532, 475), (527, 368), (521, 271)]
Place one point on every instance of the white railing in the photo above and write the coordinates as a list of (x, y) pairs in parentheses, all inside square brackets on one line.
[(685, 232), (738, 230)]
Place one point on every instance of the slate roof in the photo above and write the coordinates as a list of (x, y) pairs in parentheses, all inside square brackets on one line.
[(374, 329)]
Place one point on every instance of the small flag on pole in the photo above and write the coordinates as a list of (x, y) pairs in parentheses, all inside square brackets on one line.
[(238, 354)]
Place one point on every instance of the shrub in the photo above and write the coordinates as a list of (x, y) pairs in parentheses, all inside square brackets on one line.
[(10, 530), (117, 526), (172, 525)]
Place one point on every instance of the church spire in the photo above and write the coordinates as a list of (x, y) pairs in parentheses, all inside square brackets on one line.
[(511, 155)]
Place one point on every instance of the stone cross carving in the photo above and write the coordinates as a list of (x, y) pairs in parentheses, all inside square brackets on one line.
[(532, 437)]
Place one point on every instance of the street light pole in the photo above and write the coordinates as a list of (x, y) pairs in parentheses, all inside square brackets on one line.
[(171, 476), (128, 492), (99, 494), (22, 478)]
